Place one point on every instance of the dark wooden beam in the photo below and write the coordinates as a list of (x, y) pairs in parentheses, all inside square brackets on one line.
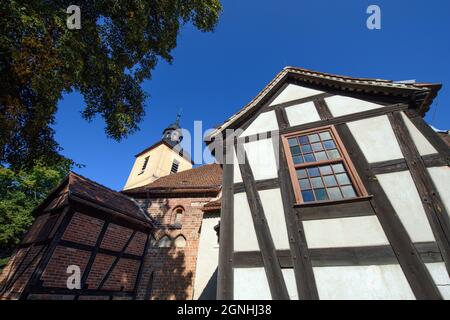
[(116, 261), (291, 103), (430, 160), (431, 200), (94, 251), (304, 275), (85, 247), (346, 118), (413, 267), (327, 122), (272, 267), (432, 137), (225, 268), (260, 185), (141, 266), (339, 257), (322, 109), (358, 207), (66, 217), (81, 292), (20, 271)]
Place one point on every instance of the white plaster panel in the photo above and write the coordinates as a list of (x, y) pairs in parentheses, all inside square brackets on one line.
[(441, 180), (341, 105), (404, 197), (273, 210), (376, 139), (289, 279), (344, 232), (265, 122), (302, 113), (383, 282), (237, 177), (251, 284), (423, 145), (244, 231), (208, 254), (294, 92), (441, 278), (261, 157)]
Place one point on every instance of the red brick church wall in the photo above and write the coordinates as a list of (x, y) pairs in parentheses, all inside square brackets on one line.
[(171, 271)]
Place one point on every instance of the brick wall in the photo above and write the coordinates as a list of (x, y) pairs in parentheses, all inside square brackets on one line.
[(173, 268), (82, 232)]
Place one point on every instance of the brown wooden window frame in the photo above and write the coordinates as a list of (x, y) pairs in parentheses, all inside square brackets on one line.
[(344, 159)]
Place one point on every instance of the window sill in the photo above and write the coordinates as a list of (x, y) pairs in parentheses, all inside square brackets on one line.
[(175, 226), (331, 202)]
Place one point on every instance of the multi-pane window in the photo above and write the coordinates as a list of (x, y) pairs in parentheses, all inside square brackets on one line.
[(175, 165), (320, 168), (144, 165)]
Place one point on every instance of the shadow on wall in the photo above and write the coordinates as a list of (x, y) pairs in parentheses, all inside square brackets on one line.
[(209, 292), (168, 278)]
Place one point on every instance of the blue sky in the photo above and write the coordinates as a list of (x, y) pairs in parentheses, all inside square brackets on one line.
[(214, 74)]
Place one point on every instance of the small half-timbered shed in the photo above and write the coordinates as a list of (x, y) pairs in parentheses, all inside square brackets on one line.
[(334, 188), (83, 224)]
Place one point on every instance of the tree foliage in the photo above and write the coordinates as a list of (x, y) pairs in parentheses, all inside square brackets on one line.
[(20, 193), (116, 49)]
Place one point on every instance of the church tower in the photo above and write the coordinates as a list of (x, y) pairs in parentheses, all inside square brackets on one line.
[(161, 159)]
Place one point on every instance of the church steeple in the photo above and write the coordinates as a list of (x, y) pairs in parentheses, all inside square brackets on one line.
[(160, 159), (173, 133)]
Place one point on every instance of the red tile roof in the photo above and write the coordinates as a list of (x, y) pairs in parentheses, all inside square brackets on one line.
[(203, 179), (428, 90), (213, 205), (445, 136), (80, 189)]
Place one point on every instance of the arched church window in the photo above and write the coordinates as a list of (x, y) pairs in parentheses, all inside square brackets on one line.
[(164, 242), (178, 219), (153, 242), (180, 241)]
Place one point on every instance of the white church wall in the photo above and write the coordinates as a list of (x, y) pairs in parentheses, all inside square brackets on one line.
[(251, 284), (441, 279), (381, 282), (237, 177), (208, 254), (423, 145), (302, 113), (265, 122), (291, 285), (404, 197), (344, 232), (342, 105), (273, 209), (261, 157), (294, 92), (441, 180), (376, 139), (244, 231)]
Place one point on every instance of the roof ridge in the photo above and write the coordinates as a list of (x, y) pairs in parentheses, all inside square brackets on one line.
[(100, 185), (380, 84)]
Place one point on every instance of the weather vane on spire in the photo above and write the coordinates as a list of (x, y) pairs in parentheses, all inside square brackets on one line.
[(179, 116)]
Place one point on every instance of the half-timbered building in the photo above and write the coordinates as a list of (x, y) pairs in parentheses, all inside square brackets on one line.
[(155, 240), (330, 187), (334, 188), (86, 230)]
